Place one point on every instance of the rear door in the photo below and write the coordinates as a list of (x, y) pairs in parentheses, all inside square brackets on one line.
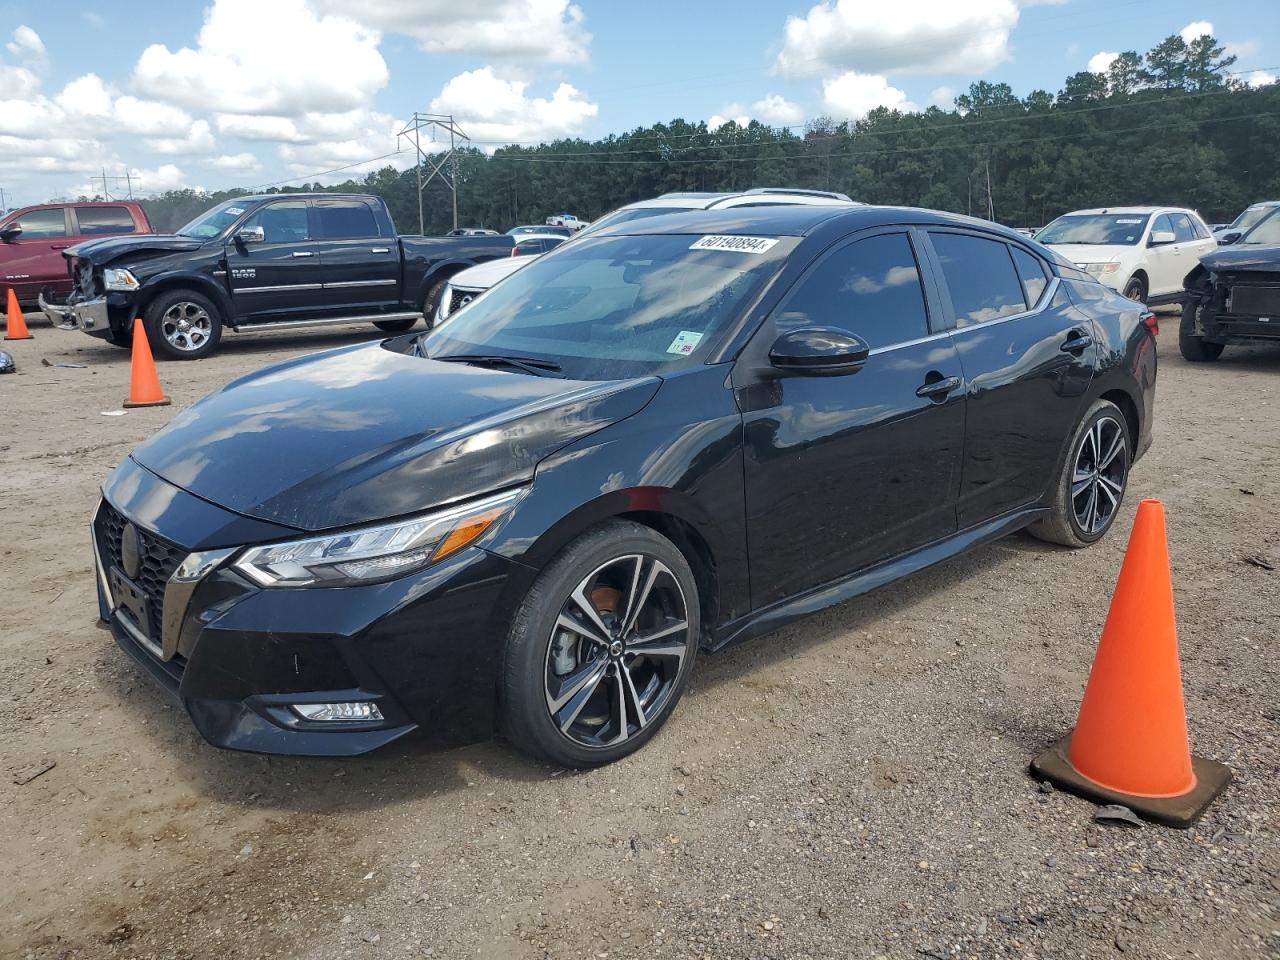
[(279, 277), (1028, 356), (360, 257), (34, 260), (844, 471)]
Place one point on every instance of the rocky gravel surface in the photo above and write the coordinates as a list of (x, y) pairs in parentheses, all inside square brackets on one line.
[(853, 786)]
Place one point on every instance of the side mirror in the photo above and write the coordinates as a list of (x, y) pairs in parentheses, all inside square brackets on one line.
[(11, 233), (251, 235), (1160, 237), (1230, 238), (818, 352)]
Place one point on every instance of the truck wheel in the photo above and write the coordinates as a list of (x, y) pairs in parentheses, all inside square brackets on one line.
[(1136, 289), (396, 326), (1194, 348), (432, 300), (182, 325)]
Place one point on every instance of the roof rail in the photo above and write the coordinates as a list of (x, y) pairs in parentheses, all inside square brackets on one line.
[(807, 193)]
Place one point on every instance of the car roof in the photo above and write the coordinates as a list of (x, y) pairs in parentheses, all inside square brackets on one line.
[(298, 195), (1139, 210), (794, 220)]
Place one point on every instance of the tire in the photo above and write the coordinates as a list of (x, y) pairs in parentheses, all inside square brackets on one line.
[(396, 326), (119, 338), (1136, 289), (1193, 348), (168, 338), (432, 300), (548, 667), (1072, 522)]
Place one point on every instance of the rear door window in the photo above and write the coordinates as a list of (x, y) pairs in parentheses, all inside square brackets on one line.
[(39, 224), (870, 287), (102, 221), (1031, 272), (980, 277), (1183, 231), (345, 220)]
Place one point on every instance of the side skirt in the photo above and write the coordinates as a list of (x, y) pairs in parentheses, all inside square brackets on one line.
[(778, 615)]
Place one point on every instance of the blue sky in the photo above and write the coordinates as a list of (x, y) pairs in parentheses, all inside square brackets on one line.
[(252, 92)]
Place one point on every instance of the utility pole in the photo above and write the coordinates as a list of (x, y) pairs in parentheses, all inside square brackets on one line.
[(127, 177), (991, 201), (446, 167)]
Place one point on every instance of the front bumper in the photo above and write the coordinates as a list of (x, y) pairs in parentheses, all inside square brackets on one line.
[(102, 316), (60, 313), (424, 648)]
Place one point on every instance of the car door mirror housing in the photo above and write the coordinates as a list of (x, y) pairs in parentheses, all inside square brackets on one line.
[(251, 235), (818, 352), (11, 233), (1160, 237), (1230, 238)]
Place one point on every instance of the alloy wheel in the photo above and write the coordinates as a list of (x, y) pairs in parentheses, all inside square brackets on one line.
[(186, 326), (1097, 482), (616, 651)]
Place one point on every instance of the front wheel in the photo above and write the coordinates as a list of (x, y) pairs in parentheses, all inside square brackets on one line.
[(1090, 488), (1192, 347), (182, 325), (1136, 289), (601, 648)]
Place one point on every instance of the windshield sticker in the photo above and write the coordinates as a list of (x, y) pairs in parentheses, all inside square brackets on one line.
[(1128, 220), (235, 211), (685, 343), (735, 244)]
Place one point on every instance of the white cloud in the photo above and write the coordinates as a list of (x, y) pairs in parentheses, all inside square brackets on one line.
[(238, 65), (853, 95), (1259, 78), (1242, 48), (1197, 28), (778, 110), (549, 31), (346, 141), (1101, 62), (943, 97), (198, 140), (730, 113), (914, 36), (165, 177), (494, 111), (26, 45), (238, 162)]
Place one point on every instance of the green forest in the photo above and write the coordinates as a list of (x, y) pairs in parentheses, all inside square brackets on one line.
[(1171, 126)]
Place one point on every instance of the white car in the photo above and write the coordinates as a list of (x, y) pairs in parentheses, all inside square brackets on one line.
[(1251, 216), (468, 284), (1141, 252)]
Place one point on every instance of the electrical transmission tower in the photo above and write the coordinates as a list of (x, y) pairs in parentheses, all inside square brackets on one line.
[(127, 177), (446, 166)]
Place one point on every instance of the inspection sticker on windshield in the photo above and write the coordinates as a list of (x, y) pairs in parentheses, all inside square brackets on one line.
[(735, 244), (685, 343)]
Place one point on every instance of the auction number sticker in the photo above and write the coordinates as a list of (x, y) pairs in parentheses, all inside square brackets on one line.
[(685, 343), (755, 245)]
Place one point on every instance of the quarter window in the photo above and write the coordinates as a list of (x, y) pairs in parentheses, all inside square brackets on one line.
[(870, 288), (345, 220), (102, 221), (980, 276), (43, 223), (1031, 271), (281, 222)]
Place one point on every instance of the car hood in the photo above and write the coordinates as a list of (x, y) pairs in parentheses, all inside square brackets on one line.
[(1090, 252), (109, 249), (1258, 257), (367, 432), (485, 275)]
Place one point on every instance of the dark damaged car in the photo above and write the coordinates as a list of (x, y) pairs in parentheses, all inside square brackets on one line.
[(1233, 296), (669, 436)]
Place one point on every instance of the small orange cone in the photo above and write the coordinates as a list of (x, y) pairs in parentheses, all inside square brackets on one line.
[(1129, 745), (16, 323), (144, 383)]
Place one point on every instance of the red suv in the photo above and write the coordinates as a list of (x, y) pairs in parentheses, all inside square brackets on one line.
[(32, 240)]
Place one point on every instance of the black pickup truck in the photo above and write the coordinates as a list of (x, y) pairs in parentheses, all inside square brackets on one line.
[(264, 262)]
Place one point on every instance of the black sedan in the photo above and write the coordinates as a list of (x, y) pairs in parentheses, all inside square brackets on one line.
[(676, 434)]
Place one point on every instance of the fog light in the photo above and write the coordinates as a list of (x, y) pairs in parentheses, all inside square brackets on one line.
[(363, 710)]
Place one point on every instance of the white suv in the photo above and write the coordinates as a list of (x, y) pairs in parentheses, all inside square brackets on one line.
[(470, 283), (1142, 252)]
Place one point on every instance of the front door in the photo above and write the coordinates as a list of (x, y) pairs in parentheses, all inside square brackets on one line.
[(1028, 356), (34, 261), (279, 277), (1167, 263), (845, 471), (361, 264)]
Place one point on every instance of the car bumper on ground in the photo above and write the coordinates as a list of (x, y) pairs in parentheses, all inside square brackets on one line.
[(417, 654)]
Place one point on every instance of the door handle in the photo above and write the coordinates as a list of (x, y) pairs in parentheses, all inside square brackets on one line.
[(59, 246), (1077, 342), (304, 253), (938, 389), (381, 250)]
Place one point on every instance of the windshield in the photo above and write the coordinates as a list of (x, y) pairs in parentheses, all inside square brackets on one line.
[(1101, 228), (611, 308), (1267, 232), (1251, 217), (211, 223)]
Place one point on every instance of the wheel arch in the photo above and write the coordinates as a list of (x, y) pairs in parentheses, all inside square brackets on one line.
[(1129, 407), (205, 286), (437, 272)]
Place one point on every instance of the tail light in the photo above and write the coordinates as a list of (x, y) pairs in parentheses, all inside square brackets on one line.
[(515, 251), (1151, 322)]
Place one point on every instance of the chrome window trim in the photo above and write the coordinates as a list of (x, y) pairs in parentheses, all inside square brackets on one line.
[(889, 348)]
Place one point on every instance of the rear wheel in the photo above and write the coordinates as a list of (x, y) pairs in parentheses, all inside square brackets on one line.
[(1091, 486), (396, 326), (182, 325), (1193, 347), (432, 300), (1136, 289), (602, 647)]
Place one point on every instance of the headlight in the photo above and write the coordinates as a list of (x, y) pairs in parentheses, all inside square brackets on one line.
[(1099, 270), (117, 279), (371, 554)]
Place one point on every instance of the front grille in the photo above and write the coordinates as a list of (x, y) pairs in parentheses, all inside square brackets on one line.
[(87, 282), (158, 560), (460, 298), (1255, 300)]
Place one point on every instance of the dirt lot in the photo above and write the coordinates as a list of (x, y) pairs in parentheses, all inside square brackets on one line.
[(854, 786)]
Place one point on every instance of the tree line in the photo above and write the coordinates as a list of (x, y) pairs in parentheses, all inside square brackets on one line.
[(1171, 126)]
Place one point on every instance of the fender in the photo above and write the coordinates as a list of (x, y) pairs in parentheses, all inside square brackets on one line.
[(201, 282), (440, 270)]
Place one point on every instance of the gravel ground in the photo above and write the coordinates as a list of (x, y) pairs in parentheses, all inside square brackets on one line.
[(853, 786)]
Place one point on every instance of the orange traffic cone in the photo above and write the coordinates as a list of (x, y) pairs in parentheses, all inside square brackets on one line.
[(144, 383), (16, 323), (1129, 745)]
